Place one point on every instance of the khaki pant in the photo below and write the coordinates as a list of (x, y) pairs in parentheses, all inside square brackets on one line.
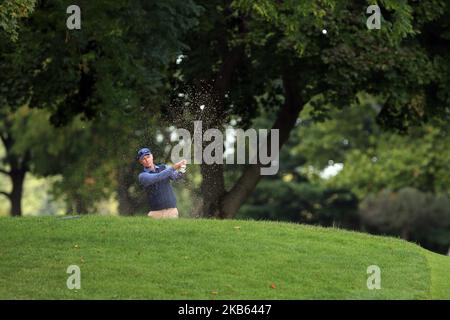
[(165, 213)]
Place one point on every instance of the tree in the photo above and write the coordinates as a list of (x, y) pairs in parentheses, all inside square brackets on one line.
[(33, 145), (414, 215), (237, 53), (11, 11), (15, 165), (374, 159), (109, 68), (243, 51)]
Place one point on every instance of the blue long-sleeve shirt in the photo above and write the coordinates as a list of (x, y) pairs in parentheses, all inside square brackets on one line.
[(157, 185)]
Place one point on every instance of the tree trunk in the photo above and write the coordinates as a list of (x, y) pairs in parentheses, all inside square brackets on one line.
[(212, 189), (242, 189), (79, 207), (405, 233), (125, 180), (19, 168), (17, 179), (213, 185)]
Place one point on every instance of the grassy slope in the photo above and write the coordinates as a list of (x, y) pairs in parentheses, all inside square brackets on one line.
[(140, 258)]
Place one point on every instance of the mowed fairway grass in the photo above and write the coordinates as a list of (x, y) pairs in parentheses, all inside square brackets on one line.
[(140, 258)]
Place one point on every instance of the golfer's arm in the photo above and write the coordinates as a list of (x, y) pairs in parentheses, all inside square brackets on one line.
[(147, 179), (176, 176)]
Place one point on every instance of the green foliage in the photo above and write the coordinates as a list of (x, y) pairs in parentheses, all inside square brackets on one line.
[(288, 200), (11, 12), (398, 62), (109, 82), (416, 215), (102, 85), (49, 147), (408, 209), (58, 151), (110, 63), (374, 159)]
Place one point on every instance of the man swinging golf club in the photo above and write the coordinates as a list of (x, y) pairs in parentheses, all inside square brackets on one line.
[(156, 181)]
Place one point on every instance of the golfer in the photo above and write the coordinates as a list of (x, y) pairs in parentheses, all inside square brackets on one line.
[(156, 181)]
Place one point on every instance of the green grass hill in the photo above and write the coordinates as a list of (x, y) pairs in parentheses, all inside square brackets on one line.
[(141, 258)]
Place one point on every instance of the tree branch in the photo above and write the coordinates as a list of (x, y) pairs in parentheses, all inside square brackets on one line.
[(3, 139), (7, 141), (6, 194), (5, 172)]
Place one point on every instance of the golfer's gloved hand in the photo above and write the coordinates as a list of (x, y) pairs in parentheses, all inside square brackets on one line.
[(179, 165)]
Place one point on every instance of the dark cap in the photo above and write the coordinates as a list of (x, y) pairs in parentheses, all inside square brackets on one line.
[(143, 152)]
